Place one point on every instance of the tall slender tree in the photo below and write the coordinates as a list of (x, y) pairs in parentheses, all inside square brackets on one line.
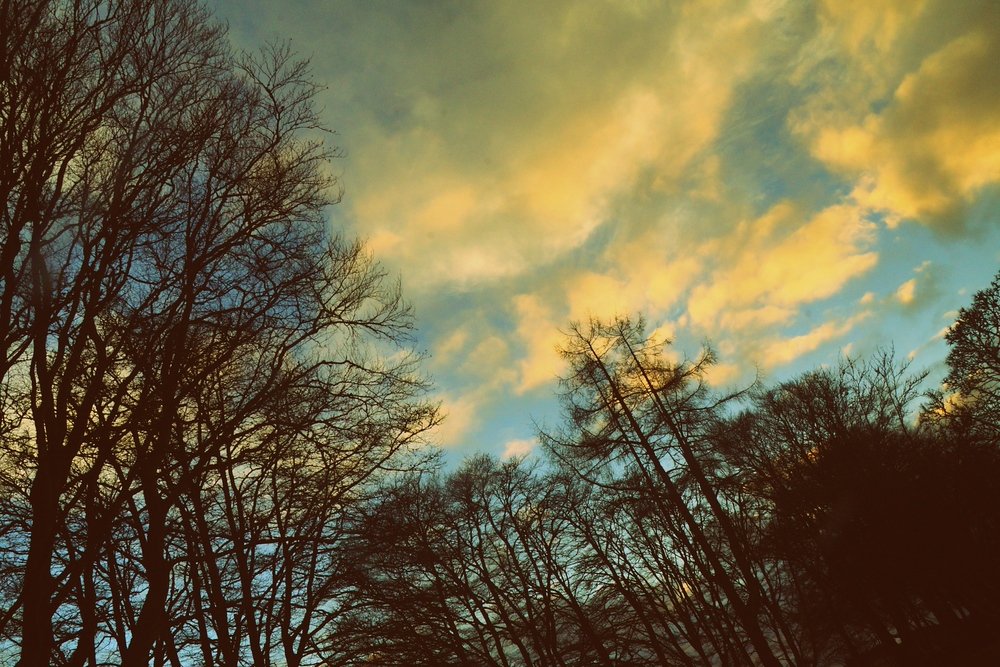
[(630, 405)]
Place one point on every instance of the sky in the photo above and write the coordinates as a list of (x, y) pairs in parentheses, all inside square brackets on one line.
[(792, 181)]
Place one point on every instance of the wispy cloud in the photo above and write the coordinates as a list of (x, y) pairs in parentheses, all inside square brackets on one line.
[(771, 266), (785, 350), (518, 447)]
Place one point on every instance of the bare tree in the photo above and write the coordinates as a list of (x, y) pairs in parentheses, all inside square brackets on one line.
[(178, 322), (631, 407)]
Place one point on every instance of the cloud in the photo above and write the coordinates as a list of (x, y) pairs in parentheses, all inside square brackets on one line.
[(914, 295), (932, 145), (739, 286), (447, 347), (866, 26), (768, 267), (518, 447), (723, 374), (490, 358), (591, 294), (460, 419), (540, 336), (488, 166), (905, 292), (654, 272), (785, 350), (477, 367), (922, 291), (630, 278), (934, 342)]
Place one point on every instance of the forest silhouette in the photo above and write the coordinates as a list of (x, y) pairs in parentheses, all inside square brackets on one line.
[(214, 441)]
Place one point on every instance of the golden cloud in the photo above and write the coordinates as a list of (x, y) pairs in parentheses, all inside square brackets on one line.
[(460, 419), (866, 26), (492, 179), (785, 350), (932, 149), (771, 266), (907, 291), (539, 333)]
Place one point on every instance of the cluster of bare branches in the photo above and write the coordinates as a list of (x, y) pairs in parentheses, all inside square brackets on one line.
[(827, 520), (192, 400)]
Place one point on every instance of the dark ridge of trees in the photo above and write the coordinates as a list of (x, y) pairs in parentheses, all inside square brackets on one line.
[(828, 520), (209, 427)]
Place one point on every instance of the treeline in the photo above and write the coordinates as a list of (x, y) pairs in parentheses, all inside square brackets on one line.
[(212, 436), (828, 520)]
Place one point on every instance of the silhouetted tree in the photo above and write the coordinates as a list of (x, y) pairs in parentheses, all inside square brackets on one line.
[(631, 407), (876, 527), (190, 398), (970, 403), (820, 512)]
